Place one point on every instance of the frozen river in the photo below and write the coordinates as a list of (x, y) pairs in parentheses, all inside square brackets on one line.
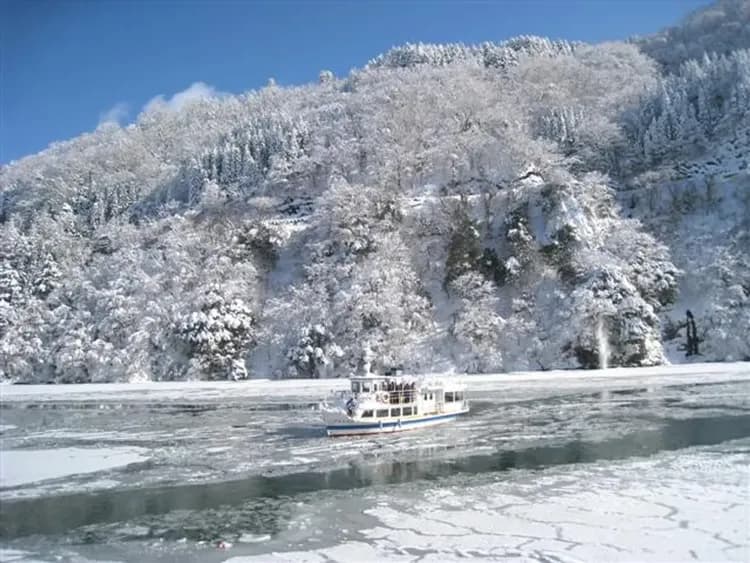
[(624, 465)]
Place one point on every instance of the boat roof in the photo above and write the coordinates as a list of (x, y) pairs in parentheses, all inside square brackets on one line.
[(402, 377), (425, 380), (371, 377)]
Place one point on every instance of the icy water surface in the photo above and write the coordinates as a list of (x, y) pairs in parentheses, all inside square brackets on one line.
[(266, 479)]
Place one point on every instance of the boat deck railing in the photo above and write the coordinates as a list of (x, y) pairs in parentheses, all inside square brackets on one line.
[(397, 397), (403, 397)]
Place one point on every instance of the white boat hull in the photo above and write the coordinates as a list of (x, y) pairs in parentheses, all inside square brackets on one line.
[(348, 427)]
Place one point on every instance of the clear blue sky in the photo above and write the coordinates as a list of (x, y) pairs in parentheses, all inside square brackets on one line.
[(64, 64)]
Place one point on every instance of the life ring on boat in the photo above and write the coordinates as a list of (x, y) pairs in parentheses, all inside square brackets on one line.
[(382, 397)]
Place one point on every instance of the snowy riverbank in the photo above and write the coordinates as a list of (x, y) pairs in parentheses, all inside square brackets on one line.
[(317, 388)]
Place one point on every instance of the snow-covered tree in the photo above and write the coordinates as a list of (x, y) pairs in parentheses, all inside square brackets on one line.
[(476, 325), (218, 336)]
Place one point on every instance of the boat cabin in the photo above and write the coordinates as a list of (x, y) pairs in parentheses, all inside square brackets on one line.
[(404, 396), (392, 390), (369, 384), (389, 403)]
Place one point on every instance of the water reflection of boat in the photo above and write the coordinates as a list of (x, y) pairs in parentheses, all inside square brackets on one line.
[(378, 404)]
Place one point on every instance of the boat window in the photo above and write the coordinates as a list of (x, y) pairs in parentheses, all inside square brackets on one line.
[(367, 414), (459, 396), (382, 413), (407, 411), (425, 396), (395, 412), (431, 397), (365, 387), (449, 397), (415, 409), (355, 386)]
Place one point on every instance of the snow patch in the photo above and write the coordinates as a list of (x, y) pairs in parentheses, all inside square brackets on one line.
[(253, 538), (19, 467)]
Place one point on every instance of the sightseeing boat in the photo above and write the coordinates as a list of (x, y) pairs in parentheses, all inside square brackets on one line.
[(379, 404)]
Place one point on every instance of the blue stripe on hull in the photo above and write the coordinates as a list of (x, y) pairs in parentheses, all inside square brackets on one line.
[(395, 424)]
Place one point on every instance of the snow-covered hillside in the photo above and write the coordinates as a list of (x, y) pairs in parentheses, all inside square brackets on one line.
[(700, 208), (529, 204)]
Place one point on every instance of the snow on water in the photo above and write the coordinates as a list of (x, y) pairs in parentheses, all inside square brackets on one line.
[(205, 391), (253, 538), (554, 466), (172, 391), (22, 556), (212, 431), (13, 555), (673, 507), (20, 467)]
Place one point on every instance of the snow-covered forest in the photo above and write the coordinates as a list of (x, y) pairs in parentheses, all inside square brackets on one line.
[(466, 208)]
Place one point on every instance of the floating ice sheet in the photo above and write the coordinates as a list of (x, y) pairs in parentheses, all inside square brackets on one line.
[(19, 467)]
